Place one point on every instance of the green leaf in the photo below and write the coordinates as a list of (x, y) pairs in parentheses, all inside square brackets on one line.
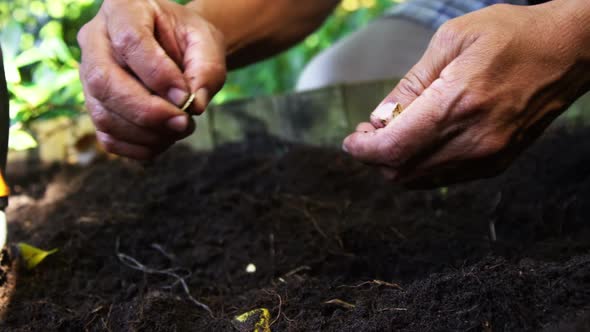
[(56, 8), (20, 140), (34, 95), (30, 56), (16, 107), (11, 71), (58, 48), (67, 77), (51, 29), (58, 112), (32, 256), (10, 39)]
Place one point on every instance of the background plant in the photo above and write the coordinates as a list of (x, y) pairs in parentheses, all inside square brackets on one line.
[(41, 55)]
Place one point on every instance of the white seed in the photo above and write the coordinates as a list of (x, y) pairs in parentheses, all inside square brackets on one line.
[(251, 268)]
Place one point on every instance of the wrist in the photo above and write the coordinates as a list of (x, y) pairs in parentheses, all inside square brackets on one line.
[(571, 18), (234, 38)]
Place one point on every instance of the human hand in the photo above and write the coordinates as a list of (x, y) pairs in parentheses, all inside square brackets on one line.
[(141, 59), (489, 83)]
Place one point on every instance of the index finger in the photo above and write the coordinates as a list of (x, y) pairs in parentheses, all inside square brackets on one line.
[(105, 80), (133, 37), (418, 131)]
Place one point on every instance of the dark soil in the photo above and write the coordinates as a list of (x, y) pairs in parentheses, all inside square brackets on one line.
[(319, 227)]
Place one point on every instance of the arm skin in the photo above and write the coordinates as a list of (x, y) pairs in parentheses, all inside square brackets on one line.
[(488, 85), (141, 59), (258, 29)]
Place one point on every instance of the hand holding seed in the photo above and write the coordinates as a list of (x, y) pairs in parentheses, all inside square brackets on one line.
[(145, 66), (489, 83), (385, 113)]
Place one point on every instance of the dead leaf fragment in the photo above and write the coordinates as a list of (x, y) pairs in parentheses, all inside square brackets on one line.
[(257, 320), (32, 256), (342, 304)]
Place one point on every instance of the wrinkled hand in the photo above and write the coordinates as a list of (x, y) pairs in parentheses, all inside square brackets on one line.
[(141, 59), (489, 83)]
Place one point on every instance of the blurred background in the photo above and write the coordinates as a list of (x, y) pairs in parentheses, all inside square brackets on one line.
[(41, 55)]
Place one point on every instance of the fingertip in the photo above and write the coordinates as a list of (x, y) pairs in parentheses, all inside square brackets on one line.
[(375, 121), (178, 123), (202, 99), (190, 129), (352, 143), (177, 96), (346, 143), (365, 127), (200, 102)]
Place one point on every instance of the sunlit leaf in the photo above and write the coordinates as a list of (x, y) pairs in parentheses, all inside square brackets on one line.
[(58, 48), (11, 71), (27, 41), (29, 56), (10, 39), (44, 75), (34, 95), (32, 256), (58, 112), (67, 77), (16, 107), (37, 8), (56, 8), (51, 29), (20, 140)]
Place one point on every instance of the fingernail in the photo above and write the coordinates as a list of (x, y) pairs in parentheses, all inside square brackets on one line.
[(177, 96), (178, 123), (202, 99), (383, 114)]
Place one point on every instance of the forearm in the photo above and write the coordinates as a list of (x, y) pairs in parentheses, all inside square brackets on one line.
[(574, 15), (257, 29)]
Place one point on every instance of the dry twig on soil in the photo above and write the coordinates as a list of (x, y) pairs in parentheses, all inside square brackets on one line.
[(272, 292), (341, 304), (374, 282), (136, 265)]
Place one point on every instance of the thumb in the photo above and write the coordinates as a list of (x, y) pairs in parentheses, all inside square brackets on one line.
[(438, 55), (204, 64)]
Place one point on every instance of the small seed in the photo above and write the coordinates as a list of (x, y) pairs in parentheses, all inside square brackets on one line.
[(188, 102), (385, 113)]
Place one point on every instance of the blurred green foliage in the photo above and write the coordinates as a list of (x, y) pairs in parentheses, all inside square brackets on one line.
[(279, 74), (41, 55)]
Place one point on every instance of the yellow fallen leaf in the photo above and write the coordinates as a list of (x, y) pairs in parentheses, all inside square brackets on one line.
[(257, 320), (32, 255)]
